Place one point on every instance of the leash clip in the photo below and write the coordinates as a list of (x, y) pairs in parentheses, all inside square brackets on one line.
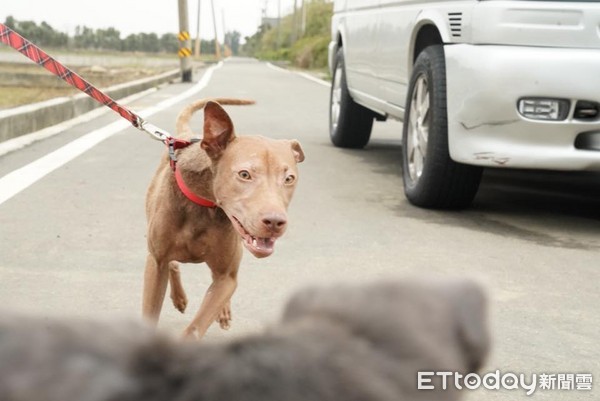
[(174, 144), (172, 158), (152, 130)]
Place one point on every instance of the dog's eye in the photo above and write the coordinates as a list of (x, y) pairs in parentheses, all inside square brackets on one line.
[(244, 175), (290, 179)]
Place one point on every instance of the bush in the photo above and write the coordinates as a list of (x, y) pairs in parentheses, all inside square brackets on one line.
[(273, 55), (278, 43), (310, 52)]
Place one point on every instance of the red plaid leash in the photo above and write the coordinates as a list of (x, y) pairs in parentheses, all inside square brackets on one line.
[(40, 57)]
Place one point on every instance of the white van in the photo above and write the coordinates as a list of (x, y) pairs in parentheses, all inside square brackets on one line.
[(477, 83)]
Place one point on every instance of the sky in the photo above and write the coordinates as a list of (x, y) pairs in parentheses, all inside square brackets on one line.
[(135, 16)]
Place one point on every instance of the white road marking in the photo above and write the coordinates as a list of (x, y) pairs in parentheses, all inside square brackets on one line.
[(314, 79), (277, 68), (302, 74), (24, 140), (18, 180)]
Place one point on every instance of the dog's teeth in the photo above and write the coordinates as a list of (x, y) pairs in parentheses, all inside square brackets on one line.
[(254, 242)]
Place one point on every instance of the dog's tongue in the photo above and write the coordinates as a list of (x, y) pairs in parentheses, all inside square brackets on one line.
[(260, 247), (262, 244), (265, 243)]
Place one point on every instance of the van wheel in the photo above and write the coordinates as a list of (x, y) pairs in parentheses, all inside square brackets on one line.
[(350, 123), (431, 178)]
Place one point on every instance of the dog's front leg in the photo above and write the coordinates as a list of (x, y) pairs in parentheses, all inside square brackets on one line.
[(217, 295), (178, 296), (224, 275), (156, 277)]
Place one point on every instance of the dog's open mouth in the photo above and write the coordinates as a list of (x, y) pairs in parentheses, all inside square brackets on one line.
[(259, 247)]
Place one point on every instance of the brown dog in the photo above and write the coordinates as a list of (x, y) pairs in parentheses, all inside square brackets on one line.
[(249, 179)]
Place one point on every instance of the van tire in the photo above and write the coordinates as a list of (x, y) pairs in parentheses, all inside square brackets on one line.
[(350, 123), (431, 178)]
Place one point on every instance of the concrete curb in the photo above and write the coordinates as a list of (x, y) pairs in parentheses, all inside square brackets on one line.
[(34, 117)]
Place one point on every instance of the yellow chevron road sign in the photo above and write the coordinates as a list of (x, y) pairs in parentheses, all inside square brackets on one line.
[(184, 52), (183, 35)]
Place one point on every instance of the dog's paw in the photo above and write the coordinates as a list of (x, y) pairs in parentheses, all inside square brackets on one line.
[(225, 324), (180, 302), (224, 318)]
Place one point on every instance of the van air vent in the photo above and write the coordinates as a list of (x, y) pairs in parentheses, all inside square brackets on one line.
[(455, 22)]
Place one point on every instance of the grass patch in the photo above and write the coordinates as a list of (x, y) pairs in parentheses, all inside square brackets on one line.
[(13, 96), (22, 84)]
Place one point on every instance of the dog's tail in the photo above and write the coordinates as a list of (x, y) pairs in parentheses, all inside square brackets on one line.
[(182, 124)]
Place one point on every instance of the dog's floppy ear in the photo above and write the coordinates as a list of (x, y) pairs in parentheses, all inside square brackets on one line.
[(218, 129), (297, 150)]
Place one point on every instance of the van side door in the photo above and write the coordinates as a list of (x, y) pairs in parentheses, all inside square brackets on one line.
[(359, 23), (396, 24)]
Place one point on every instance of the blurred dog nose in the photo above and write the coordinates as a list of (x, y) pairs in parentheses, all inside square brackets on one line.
[(275, 221)]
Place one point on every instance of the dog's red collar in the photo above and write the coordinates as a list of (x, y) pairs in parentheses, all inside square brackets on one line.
[(189, 194), (174, 144)]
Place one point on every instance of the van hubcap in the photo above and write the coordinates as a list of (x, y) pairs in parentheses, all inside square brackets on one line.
[(418, 128), (336, 98)]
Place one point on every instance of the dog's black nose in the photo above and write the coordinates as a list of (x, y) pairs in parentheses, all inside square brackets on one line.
[(275, 221)]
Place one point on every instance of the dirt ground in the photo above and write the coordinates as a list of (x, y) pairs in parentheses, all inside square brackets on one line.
[(22, 83)]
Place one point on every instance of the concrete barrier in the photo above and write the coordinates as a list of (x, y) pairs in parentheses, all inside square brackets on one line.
[(34, 117)]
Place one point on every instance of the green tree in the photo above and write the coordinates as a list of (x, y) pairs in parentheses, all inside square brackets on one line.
[(105, 39), (252, 43), (232, 39), (149, 42), (108, 39), (169, 43), (84, 38), (130, 43), (10, 22)]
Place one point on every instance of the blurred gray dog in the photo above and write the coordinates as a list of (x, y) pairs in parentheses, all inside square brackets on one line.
[(344, 343)]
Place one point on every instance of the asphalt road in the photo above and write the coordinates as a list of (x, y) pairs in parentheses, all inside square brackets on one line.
[(73, 243)]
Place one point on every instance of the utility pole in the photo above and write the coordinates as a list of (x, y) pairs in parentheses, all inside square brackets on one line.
[(295, 23), (197, 47), (184, 42), (303, 28), (223, 25), (278, 44), (225, 49), (217, 46)]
